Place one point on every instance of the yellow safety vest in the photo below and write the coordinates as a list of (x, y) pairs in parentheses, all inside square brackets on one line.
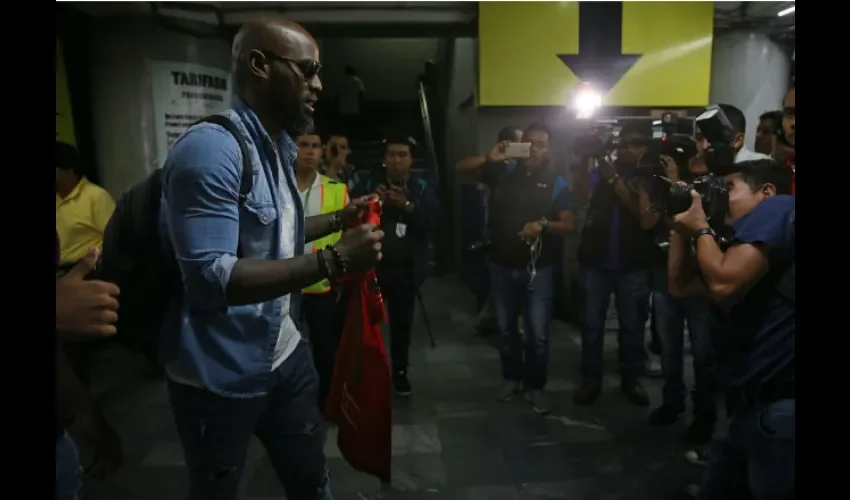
[(333, 195)]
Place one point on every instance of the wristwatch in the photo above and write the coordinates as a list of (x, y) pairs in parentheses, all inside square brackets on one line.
[(699, 233), (544, 224)]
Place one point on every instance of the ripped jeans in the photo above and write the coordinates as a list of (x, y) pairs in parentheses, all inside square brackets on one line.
[(215, 432)]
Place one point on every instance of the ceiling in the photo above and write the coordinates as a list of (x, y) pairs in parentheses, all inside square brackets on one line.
[(728, 15)]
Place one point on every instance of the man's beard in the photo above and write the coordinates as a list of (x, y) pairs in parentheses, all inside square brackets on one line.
[(296, 121)]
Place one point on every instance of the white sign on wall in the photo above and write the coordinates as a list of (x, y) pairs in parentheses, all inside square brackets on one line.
[(183, 93)]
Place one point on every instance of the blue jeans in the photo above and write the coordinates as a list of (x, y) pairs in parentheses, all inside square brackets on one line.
[(69, 472), (215, 433), (672, 314), (756, 460), (514, 291), (631, 293)]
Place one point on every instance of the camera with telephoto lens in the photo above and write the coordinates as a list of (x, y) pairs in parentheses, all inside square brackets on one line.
[(671, 198)]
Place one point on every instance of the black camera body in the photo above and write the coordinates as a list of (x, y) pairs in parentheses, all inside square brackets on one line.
[(671, 198)]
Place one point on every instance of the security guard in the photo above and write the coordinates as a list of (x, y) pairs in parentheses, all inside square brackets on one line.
[(321, 308), (411, 210)]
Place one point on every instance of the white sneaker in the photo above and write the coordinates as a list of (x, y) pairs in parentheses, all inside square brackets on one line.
[(697, 456), (653, 366)]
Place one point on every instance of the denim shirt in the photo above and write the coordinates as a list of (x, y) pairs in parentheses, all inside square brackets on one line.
[(227, 350)]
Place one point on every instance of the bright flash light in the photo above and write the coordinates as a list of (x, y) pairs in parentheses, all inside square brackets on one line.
[(586, 103), (785, 12)]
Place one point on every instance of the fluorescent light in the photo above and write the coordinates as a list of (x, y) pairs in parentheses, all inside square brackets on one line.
[(785, 12)]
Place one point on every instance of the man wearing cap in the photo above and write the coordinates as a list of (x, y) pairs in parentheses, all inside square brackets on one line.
[(753, 283), (411, 210)]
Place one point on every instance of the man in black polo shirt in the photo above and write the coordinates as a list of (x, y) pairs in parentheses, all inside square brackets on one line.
[(615, 255), (753, 283), (529, 211)]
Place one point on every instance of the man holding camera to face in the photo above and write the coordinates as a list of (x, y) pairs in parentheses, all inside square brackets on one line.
[(752, 282), (674, 160)]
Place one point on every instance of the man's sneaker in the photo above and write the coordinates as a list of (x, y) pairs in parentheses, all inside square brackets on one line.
[(697, 456), (636, 393), (692, 490), (538, 400), (509, 390), (587, 393), (666, 414), (701, 430), (401, 384)]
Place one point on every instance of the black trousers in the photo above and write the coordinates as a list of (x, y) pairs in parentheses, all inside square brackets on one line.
[(399, 294), (324, 315)]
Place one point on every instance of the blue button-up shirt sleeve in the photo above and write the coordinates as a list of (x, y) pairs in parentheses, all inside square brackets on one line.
[(201, 182)]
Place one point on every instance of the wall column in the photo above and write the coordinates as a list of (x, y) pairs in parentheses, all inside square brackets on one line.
[(751, 72)]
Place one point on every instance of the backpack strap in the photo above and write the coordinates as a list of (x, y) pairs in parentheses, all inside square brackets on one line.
[(247, 183)]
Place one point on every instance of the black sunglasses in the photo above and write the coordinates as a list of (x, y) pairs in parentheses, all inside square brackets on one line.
[(308, 67)]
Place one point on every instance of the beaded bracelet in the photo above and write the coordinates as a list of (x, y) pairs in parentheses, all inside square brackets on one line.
[(342, 266), (336, 222)]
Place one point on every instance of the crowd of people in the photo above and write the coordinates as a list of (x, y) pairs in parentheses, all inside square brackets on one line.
[(740, 322), (250, 335)]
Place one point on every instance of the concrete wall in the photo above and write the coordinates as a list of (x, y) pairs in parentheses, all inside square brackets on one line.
[(121, 53), (389, 67), (750, 71)]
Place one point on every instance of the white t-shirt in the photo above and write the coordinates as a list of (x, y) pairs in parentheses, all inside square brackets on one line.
[(288, 336), (349, 95), (745, 154)]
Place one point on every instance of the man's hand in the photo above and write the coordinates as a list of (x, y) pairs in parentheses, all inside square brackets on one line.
[(381, 192), (395, 197), (360, 247), (351, 215), (606, 169), (531, 230), (86, 308), (689, 221), (497, 154), (671, 170), (108, 456)]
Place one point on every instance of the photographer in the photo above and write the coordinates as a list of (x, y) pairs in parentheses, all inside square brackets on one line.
[(676, 159), (411, 210), (530, 210), (753, 283), (615, 254)]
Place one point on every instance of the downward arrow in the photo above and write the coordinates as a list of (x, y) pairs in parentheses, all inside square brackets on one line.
[(600, 59)]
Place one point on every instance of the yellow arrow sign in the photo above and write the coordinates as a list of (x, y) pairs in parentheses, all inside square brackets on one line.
[(520, 43)]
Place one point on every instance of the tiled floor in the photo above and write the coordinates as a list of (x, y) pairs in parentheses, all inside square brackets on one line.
[(451, 439)]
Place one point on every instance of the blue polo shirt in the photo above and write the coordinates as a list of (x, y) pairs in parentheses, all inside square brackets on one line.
[(758, 340)]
